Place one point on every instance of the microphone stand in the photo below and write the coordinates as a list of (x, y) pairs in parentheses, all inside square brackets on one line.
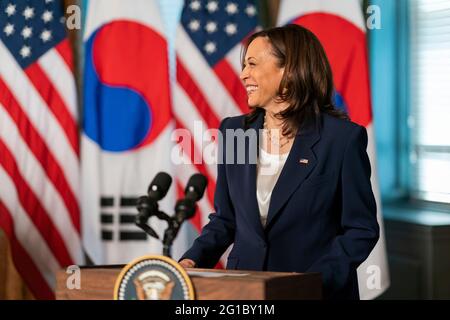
[(169, 235), (145, 209), (184, 209), (173, 224)]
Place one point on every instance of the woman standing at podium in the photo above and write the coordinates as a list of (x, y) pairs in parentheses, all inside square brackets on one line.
[(306, 203)]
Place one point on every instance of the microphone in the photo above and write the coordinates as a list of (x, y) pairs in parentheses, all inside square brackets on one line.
[(147, 206), (159, 186), (195, 188)]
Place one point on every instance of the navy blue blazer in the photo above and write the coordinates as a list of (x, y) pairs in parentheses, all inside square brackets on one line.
[(322, 213)]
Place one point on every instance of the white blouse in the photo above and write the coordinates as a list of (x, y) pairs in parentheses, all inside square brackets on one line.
[(269, 167)]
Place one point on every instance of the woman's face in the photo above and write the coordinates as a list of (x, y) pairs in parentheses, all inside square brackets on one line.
[(261, 74)]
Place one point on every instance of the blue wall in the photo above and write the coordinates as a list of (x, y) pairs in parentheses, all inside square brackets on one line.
[(389, 78)]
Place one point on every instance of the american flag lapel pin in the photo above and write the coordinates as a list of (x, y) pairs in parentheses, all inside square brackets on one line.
[(303, 161)]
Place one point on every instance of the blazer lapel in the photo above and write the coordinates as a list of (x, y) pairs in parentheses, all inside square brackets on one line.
[(300, 162)]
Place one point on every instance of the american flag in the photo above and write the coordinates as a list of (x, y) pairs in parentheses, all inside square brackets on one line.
[(208, 89), (39, 147)]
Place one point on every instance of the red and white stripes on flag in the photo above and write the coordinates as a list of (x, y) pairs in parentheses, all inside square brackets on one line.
[(340, 27), (39, 150), (208, 88)]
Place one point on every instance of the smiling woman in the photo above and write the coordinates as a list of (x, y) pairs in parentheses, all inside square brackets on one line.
[(261, 74), (314, 211), (291, 65)]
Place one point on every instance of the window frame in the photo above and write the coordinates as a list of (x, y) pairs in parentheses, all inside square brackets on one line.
[(404, 141)]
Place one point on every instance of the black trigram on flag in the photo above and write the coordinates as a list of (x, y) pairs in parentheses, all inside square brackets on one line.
[(117, 220)]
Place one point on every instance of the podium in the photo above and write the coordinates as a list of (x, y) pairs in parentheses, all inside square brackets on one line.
[(97, 283)]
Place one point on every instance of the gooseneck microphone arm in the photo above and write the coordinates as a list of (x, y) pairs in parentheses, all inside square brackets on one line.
[(147, 206), (184, 210), (145, 209)]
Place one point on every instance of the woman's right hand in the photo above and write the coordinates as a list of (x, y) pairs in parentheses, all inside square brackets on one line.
[(187, 263)]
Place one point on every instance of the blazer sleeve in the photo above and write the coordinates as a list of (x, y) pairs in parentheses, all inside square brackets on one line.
[(218, 234), (360, 230)]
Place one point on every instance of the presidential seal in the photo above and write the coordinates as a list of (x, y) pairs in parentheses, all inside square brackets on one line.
[(153, 278)]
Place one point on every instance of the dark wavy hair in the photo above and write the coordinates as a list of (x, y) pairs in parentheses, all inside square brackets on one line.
[(307, 82)]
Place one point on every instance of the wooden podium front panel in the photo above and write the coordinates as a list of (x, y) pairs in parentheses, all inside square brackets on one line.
[(97, 283)]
